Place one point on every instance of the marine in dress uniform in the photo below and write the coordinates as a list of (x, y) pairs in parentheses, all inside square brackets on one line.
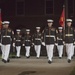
[(3, 27), (69, 39), (6, 39), (27, 42), (18, 42), (60, 41), (49, 39), (37, 41)]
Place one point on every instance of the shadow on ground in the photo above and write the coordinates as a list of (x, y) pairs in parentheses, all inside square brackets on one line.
[(27, 72)]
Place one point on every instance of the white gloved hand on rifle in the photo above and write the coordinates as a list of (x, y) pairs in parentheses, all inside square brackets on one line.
[(23, 44), (43, 43), (56, 44)]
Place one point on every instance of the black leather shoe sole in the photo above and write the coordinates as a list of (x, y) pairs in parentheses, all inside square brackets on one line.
[(49, 62), (69, 61)]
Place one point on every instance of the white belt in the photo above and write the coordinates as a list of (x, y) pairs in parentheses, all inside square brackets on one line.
[(69, 34), (50, 36), (59, 39), (37, 39), (18, 40), (6, 36), (27, 40)]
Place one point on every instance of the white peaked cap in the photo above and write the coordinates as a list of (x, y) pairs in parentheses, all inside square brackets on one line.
[(27, 30), (38, 28), (49, 20), (18, 30), (60, 28), (5, 22), (69, 20)]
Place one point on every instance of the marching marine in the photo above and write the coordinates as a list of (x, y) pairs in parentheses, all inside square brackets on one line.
[(69, 39), (3, 27), (37, 41), (49, 39), (18, 39), (6, 39), (27, 42), (60, 42)]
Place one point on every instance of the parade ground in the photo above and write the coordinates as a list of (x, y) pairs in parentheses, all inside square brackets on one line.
[(33, 66)]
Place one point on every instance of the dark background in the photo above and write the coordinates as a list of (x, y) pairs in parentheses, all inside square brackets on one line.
[(32, 13)]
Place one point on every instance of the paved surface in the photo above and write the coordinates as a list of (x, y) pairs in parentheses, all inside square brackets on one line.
[(33, 66)]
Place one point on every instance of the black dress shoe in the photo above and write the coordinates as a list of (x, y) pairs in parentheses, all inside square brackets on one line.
[(60, 57), (5, 61), (27, 56), (69, 61), (2, 60), (49, 62), (8, 60)]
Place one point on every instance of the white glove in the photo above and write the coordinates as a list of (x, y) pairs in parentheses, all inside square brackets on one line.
[(63, 42), (56, 44), (43, 43), (23, 44), (13, 44), (32, 43), (74, 42)]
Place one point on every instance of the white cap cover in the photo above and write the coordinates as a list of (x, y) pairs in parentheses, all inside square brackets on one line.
[(5, 22), (69, 20), (38, 28), (18, 30), (27, 30), (60, 28), (49, 20)]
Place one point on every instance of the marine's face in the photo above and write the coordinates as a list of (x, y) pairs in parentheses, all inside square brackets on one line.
[(60, 30), (69, 24), (38, 30), (6, 25), (28, 32), (18, 32), (50, 24)]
